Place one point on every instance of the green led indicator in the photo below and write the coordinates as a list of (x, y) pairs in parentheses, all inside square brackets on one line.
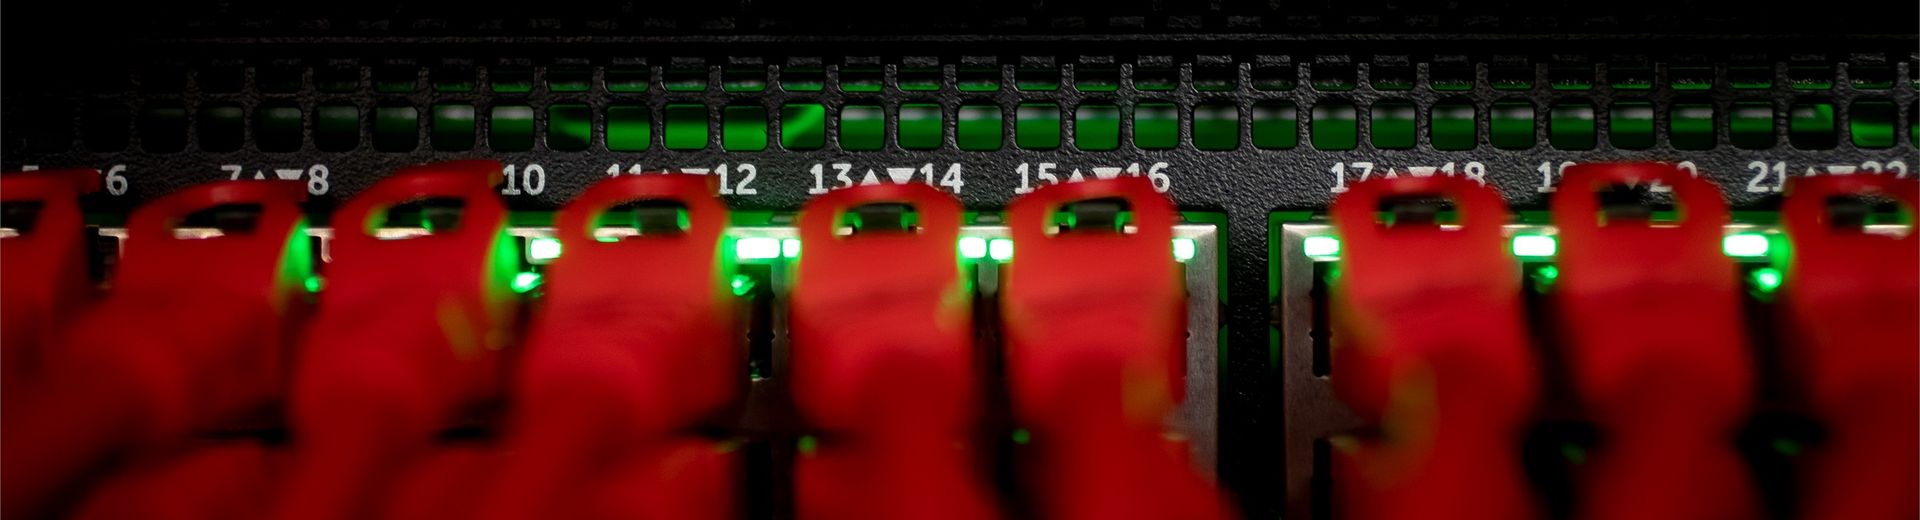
[(1022, 436), (1766, 279), (741, 284), (541, 250), (315, 283), (1537, 246), (1574, 453), (973, 247), (808, 444), (1321, 247), (757, 248), (1000, 249), (1544, 277), (525, 282), (790, 247), (1184, 249), (1746, 245), (1788, 447)]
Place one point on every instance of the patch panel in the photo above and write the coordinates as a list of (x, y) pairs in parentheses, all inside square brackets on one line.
[(1256, 119)]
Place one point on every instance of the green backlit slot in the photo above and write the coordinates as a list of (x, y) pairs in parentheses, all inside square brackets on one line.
[(163, 128), (1871, 123), (278, 127), (803, 126), (1810, 77), (278, 78), (1390, 77), (1570, 126), (1037, 126), (861, 79), (1453, 127), (569, 79), (1750, 77), (862, 127), (1811, 126), (1096, 127), (921, 126), (1215, 78), (1870, 77), (1096, 78), (453, 129), (1510, 77), (1691, 127), (746, 78), (338, 79), (1750, 125), (743, 128), (1393, 124), (1690, 77), (1156, 78), (686, 127), (1156, 126), (802, 79), (1036, 78), (1630, 76), (1332, 77), (1450, 76), (918, 79), (222, 128), (1570, 76), (395, 80), (336, 128), (511, 80), (1511, 125), (685, 79), (1632, 123), (510, 129), (629, 128), (977, 79), (1276, 126), (569, 127), (452, 79), (978, 128), (627, 79), (1335, 126), (1216, 126), (396, 129)]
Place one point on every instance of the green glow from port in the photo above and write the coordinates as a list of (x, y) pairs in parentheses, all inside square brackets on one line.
[(1022, 436), (1574, 453), (1766, 279), (742, 284), (525, 282), (757, 248), (808, 444), (1321, 247), (1536, 246), (1184, 249), (1544, 277), (541, 250), (1000, 249), (973, 248), (1788, 447), (790, 247), (1745, 245), (315, 283)]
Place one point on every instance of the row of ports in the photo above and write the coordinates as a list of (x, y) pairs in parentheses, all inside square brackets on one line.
[(1452, 125), (1147, 76)]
